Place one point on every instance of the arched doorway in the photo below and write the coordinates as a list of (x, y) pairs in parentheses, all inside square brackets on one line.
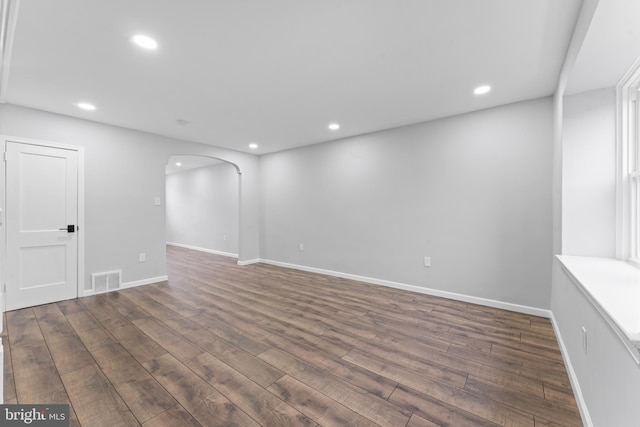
[(202, 196)]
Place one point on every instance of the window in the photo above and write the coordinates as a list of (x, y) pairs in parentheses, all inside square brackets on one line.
[(628, 158)]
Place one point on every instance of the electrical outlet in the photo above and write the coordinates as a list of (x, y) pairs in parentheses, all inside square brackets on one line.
[(142, 257), (224, 237), (301, 247), (584, 340), (427, 261)]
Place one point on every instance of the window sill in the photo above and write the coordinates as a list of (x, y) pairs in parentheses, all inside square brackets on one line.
[(613, 287)]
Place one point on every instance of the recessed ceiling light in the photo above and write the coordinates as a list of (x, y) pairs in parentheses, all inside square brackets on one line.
[(145, 42), (334, 126), (86, 106), (178, 164), (481, 90), (253, 145)]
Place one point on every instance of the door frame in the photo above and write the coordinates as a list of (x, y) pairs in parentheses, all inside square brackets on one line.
[(3, 206)]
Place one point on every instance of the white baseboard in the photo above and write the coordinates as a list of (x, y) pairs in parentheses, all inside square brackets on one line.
[(250, 261), (573, 378), (419, 289), (143, 282), (209, 251)]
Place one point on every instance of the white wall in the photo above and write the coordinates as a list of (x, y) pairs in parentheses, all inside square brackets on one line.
[(202, 208), (589, 174), (124, 172), (472, 192)]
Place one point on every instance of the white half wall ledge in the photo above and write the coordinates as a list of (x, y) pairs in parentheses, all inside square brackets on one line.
[(613, 288), (418, 289), (200, 249)]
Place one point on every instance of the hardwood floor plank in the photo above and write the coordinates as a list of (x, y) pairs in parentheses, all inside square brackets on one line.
[(562, 396), (556, 410), (114, 358), (341, 368), (203, 402), (542, 325), (70, 306), (137, 343), (418, 421), (175, 416), (182, 325), (548, 342), (151, 306), (315, 405), (416, 354), (103, 312), (155, 293), (444, 391), (125, 306), (530, 353), (22, 328), (145, 397), (34, 372), (411, 366), (232, 334), (95, 401), (89, 331), (372, 407), (262, 406), (245, 363), (436, 411), (172, 342), (551, 374), (52, 321), (66, 349)]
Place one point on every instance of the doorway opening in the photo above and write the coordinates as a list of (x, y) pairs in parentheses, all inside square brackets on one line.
[(202, 197)]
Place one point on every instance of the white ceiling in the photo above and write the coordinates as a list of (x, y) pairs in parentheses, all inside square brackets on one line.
[(278, 72), (610, 47)]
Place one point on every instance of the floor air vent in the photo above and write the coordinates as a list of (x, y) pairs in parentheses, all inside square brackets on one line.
[(107, 281)]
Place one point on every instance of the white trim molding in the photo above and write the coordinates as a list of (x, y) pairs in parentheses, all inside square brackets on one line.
[(149, 281), (209, 251), (419, 289), (627, 117)]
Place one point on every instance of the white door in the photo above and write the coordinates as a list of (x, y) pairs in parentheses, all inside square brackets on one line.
[(41, 224)]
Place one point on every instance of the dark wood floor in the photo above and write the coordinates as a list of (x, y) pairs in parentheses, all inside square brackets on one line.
[(222, 345)]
